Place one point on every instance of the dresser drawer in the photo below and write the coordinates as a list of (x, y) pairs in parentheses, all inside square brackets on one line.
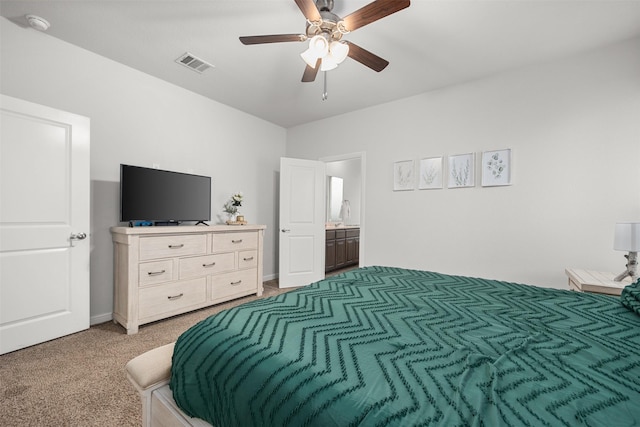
[(247, 259), (172, 246), (153, 272), (235, 241), (171, 298), (204, 265), (353, 232), (237, 282)]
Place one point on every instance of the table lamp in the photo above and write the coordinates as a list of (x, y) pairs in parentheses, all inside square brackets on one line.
[(627, 238)]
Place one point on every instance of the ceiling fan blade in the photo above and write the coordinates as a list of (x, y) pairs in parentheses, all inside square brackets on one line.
[(309, 9), (310, 72), (273, 38), (367, 58), (372, 12)]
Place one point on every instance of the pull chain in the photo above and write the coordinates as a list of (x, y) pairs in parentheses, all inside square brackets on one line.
[(325, 95)]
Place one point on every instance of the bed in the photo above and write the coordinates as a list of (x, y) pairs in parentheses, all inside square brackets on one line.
[(391, 346)]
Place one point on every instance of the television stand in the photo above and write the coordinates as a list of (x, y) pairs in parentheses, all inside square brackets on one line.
[(160, 272), (202, 222)]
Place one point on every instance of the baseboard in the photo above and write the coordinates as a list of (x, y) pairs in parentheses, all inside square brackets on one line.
[(101, 318), (269, 277)]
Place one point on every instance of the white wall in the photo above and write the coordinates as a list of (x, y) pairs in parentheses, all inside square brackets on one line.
[(140, 120), (574, 129)]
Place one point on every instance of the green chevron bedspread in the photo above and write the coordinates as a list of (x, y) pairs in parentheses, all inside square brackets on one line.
[(384, 346)]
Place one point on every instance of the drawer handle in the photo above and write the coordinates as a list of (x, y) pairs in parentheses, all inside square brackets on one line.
[(248, 259), (209, 265), (236, 241), (175, 297), (236, 283), (181, 245), (155, 273)]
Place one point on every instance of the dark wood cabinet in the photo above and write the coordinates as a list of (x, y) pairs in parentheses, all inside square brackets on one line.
[(351, 244), (341, 253), (330, 251), (342, 248)]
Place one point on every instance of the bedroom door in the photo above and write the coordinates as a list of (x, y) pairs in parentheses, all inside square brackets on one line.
[(44, 223), (302, 222)]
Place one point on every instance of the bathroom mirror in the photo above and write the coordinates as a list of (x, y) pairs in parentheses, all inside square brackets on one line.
[(335, 190)]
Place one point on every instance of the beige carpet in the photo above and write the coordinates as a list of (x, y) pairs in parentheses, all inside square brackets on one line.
[(79, 380)]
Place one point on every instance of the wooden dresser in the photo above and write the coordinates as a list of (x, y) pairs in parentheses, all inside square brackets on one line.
[(165, 271)]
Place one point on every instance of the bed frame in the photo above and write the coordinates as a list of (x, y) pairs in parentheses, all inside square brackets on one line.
[(149, 373), (530, 356)]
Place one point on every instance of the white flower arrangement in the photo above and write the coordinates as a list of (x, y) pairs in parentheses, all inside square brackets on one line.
[(233, 205)]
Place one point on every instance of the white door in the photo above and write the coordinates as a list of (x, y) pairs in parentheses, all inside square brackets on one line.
[(44, 223), (302, 222)]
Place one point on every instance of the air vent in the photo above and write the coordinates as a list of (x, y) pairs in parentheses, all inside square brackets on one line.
[(193, 62)]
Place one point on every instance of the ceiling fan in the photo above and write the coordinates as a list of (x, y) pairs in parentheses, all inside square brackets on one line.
[(325, 31)]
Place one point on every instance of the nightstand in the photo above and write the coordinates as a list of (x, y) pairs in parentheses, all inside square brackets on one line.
[(595, 282)]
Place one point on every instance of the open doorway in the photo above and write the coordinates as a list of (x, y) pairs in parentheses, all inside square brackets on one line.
[(345, 220)]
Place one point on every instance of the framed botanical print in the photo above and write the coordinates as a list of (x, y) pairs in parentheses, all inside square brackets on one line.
[(403, 175), (430, 173), (496, 168), (461, 171)]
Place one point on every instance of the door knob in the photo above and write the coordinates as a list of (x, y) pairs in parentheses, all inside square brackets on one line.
[(285, 230), (78, 236)]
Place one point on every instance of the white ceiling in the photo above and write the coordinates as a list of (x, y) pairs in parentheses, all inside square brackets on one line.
[(431, 44)]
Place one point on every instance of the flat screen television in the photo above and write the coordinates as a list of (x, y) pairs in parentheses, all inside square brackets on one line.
[(163, 197)]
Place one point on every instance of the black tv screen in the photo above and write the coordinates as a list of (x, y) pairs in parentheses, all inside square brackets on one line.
[(163, 196)]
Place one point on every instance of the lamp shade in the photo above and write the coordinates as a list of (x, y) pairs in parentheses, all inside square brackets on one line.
[(627, 237), (319, 45), (328, 63), (339, 51), (318, 48), (309, 57)]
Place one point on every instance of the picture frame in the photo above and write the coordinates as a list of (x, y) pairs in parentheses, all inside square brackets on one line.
[(431, 173), (403, 175), (496, 168), (461, 171)]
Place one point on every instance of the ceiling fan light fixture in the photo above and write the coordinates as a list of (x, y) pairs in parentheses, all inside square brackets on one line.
[(324, 31), (319, 45), (309, 57), (318, 48), (328, 63), (339, 51)]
